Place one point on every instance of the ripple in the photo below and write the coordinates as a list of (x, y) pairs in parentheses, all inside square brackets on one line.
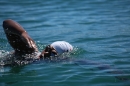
[(99, 29)]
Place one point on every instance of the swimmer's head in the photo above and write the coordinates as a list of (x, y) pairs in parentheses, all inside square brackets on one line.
[(49, 51)]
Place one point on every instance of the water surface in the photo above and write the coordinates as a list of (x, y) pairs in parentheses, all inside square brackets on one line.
[(98, 29)]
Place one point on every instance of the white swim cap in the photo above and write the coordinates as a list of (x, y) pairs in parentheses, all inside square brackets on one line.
[(62, 46)]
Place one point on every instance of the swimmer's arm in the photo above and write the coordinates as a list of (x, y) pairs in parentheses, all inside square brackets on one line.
[(43, 53), (28, 41), (47, 52)]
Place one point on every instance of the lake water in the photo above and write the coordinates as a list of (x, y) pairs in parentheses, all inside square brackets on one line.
[(99, 30)]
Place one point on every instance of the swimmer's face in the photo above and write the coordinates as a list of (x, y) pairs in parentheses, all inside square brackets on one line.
[(49, 51)]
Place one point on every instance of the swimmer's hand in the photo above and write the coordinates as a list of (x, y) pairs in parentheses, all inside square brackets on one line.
[(43, 54)]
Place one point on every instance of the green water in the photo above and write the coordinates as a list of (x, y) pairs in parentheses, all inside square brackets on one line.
[(99, 30)]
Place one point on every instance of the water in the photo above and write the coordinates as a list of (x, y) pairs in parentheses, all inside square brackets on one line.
[(98, 29)]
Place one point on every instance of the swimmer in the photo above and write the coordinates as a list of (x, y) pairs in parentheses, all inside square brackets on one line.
[(25, 47), (23, 44)]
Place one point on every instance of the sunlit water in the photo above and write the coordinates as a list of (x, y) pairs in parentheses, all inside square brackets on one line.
[(99, 30)]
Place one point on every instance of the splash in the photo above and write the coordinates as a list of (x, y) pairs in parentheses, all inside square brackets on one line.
[(7, 56), (3, 54)]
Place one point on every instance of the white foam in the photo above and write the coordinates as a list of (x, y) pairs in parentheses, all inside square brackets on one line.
[(3, 53)]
